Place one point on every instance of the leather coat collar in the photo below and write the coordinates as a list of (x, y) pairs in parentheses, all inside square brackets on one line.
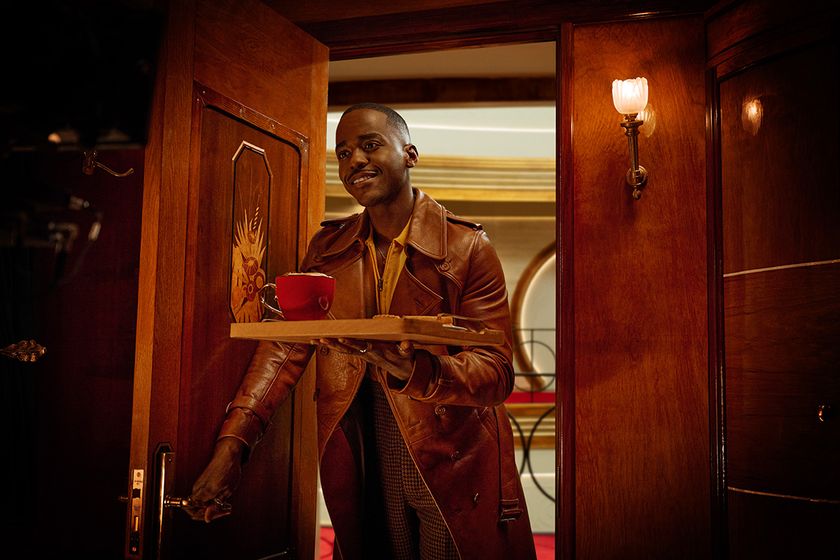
[(426, 233)]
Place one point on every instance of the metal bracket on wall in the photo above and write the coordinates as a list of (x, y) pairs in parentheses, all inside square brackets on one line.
[(90, 164)]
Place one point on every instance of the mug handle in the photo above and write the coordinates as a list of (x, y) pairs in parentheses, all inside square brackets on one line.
[(267, 305)]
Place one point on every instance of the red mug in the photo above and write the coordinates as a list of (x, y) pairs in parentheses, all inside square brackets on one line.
[(301, 296)]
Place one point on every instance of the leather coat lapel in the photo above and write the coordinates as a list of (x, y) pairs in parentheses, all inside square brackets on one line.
[(426, 235), (354, 291), (427, 230)]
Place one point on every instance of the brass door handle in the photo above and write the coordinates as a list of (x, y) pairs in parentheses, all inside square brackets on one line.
[(175, 503), (180, 503)]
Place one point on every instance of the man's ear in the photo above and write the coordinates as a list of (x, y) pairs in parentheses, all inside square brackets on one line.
[(411, 154)]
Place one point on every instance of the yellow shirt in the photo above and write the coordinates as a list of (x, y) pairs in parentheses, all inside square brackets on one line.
[(394, 264)]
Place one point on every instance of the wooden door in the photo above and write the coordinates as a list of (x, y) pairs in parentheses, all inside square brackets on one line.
[(233, 192), (777, 210)]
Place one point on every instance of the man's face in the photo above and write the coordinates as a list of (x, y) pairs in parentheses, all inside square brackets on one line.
[(373, 157)]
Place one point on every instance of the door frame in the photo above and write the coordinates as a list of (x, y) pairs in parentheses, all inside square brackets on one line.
[(561, 34), (529, 21)]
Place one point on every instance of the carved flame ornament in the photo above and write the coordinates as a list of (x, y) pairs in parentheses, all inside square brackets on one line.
[(248, 276)]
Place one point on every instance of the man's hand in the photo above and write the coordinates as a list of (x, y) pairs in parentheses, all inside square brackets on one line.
[(216, 484), (395, 358)]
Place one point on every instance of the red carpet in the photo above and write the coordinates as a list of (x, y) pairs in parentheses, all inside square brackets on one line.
[(544, 545)]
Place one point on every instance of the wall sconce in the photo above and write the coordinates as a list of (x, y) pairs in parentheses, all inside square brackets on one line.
[(630, 98)]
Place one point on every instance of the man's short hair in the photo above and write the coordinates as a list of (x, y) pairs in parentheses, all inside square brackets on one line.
[(393, 118)]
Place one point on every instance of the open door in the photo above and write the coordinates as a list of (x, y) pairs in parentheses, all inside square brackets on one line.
[(233, 191)]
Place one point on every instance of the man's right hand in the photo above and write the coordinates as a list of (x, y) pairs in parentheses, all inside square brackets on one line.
[(217, 483)]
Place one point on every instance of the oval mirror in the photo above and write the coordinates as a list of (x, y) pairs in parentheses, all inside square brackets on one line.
[(534, 313)]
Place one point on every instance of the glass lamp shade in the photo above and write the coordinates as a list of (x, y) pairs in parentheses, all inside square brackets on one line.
[(630, 96)]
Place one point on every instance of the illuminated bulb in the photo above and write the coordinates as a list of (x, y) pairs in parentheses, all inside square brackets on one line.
[(630, 96)]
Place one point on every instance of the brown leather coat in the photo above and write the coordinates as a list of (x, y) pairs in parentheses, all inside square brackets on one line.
[(449, 412)]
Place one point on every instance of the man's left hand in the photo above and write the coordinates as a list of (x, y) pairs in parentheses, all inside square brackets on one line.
[(397, 358)]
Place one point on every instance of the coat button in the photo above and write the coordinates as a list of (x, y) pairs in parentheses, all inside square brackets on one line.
[(444, 265), (455, 455), (324, 350), (440, 410)]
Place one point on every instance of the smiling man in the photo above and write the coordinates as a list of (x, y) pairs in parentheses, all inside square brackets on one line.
[(415, 448)]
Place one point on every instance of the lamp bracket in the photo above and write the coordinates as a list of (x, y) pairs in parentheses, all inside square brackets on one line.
[(637, 175)]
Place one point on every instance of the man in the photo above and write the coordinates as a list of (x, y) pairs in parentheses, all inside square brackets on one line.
[(415, 449)]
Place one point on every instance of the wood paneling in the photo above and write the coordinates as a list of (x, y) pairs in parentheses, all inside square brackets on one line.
[(566, 391), (226, 62), (312, 11), (780, 199), (274, 77), (410, 29), (443, 90), (642, 450), (733, 22), (726, 26), (775, 146), (782, 352), (772, 528), (714, 276)]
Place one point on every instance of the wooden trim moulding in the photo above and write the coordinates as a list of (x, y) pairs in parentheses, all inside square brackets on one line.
[(565, 528), (443, 90), (716, 354), (498, 22)]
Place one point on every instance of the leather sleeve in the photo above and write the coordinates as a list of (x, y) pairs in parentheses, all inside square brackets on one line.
[(272, 374), (274, 371), (475, 376)]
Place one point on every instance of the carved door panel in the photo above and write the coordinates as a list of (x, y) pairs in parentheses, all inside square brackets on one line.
[(233, 192)]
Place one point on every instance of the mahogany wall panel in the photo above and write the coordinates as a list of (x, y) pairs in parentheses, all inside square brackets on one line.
[(780, 199), (780, 240), (416, 26), (782, 351), (640, 299), (770, 528), (301, 12)]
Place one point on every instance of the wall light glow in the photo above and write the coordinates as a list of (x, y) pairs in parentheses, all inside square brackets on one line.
[(752, 112)]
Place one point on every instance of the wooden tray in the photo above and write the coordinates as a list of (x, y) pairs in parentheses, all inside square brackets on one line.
[(424, 330)]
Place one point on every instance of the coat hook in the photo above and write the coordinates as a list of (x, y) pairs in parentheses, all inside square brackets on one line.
[(90, 164)]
